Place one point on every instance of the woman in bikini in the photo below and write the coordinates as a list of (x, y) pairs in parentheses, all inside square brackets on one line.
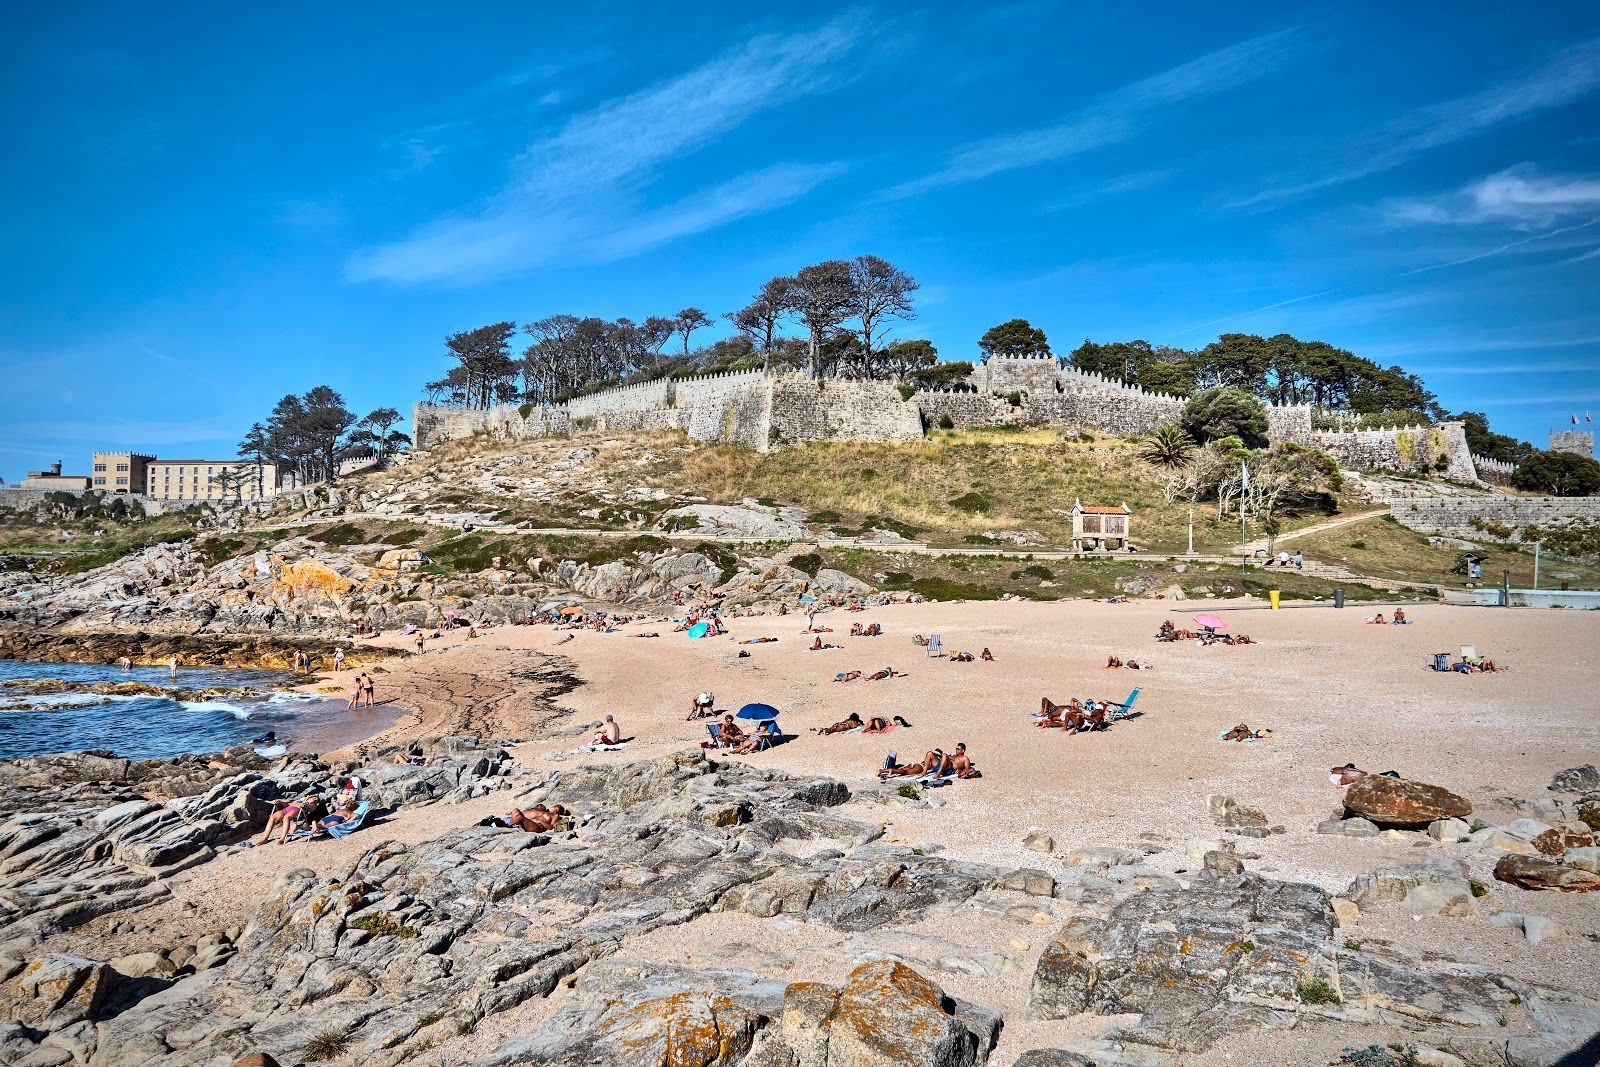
[(851, 722), (288, 814)]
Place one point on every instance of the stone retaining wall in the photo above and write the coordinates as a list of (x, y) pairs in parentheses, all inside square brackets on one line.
[(1458, 516)]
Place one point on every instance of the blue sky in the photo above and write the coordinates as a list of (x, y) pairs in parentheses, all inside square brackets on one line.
[(209, 206)]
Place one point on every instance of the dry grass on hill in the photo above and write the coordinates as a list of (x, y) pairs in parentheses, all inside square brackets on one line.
[(1383, 548)]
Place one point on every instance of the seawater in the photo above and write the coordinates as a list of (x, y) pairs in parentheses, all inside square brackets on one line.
[(157, 727)]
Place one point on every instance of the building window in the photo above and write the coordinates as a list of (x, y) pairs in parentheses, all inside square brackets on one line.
[(100, 481), (122, 481), (99, 466), (122, 466)]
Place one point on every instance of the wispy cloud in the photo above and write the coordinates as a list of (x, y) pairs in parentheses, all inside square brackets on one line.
[(1257, 311), (1499, 249), (1519, 196), (1568, 367), (1591, 254), (577, 195), (1569, 77), (1116, 117)]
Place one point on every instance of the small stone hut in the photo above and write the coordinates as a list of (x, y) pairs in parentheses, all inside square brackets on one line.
[(1101, 529)]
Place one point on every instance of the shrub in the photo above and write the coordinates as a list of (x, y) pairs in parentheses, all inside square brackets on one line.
[(946, 422), (1558, 473), (1226, 411), (909, 792), (1038, 571), (1318, 991), (385, 925), (808, 562), (1167, 447), (1358, 544), (326, 1045), (973, 503), (1478, 888)]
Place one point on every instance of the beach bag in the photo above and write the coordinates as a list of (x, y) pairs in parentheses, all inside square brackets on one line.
[(890, 762), (1441, 661)]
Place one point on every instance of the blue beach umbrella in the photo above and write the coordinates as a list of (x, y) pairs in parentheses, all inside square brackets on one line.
[(698, 629), (808, 600), (758, 712)]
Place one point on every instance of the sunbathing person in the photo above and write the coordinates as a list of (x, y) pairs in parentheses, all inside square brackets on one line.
[(730, 734), (1245, 639), (872, 631), (1400, 616), (919, 639), (987, 657), (1343, 776), (845, 725), (877, 725), (961, 657), (935, 763), (887, 672), (961, 764), (766, 730), (537, 819), (344, 810), (701, 707), (818, 646), (1112, 663), (1244, 733), (288, 814), (906, 770), (1378, 620), (1135, 665), (760, 641), (847, 676), (855, 629), (608, 734), (414, 760)]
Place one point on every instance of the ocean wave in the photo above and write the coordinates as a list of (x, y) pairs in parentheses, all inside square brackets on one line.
[(216, 705)]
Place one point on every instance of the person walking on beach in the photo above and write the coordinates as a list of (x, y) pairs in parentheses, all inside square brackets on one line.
[(355, 695), (338, 659), (1299, 561), (420, 640), (367, 688)]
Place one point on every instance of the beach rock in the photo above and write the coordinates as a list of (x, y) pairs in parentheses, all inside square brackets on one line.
[(1352, 827), (255, 1059), (53, 992), (1498, 839), (1038, 841), (1557, 841), (1396, 802), (1100, 856), (143, 965), (1433, 887), (1584, 859), (1536, 872), (1584, 779), (1346, 911), (1448, 830), (1536, 928), (1527, 829), (1432, 1057)]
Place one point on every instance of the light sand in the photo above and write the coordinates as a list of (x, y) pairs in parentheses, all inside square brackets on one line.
[(1332, 688)]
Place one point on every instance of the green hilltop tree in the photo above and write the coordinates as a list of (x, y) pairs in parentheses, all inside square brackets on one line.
[(1225, 411), (1018, 337), (1558, 473)]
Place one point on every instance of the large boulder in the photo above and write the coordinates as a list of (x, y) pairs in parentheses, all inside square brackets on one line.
[(1576, 779), (1433, 887), (888, 1015), (1396, 802), (1536, 872), (53, 992)]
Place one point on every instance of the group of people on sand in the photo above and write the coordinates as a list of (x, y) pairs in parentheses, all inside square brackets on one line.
[(875, 676), (1075, 716), (734, 739), (852, 722), (307, 812), (857, 630), (361, 689), (937, 763), (1206, 636), (1399, 619)]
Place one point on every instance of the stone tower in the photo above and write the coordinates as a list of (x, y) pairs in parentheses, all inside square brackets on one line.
[(1578, 442)]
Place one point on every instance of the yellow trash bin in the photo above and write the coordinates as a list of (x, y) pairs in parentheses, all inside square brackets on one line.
[(1273, 596)]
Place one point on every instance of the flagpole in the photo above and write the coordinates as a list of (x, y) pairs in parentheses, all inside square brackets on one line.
[(1244, 547)]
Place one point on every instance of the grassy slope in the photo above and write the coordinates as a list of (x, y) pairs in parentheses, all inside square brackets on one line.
[(1389, 550)]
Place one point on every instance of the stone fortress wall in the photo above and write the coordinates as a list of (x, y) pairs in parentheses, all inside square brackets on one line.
[(1578, 442), (1473, 518), (764, 412)]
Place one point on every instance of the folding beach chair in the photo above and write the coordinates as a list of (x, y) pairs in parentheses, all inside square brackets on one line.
[(715, 730), (352, 824), (1122, 710), (935, 646)]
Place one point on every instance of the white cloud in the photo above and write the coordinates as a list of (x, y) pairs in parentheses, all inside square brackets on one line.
[(1116, 117), (1519, 196), (1569, 77), (577, 195)]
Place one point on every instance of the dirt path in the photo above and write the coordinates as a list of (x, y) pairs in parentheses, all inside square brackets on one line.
[(1318, 528)]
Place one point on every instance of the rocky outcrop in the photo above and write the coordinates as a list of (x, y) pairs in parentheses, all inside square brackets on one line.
[(634, 1014), (1402, 804), (156, 649), (1536, 872), (62, 866), (484, 918)]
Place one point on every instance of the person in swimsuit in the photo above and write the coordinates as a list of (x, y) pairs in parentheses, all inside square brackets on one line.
[(338, 659), (288, 814), (843, 726), (367, 688)]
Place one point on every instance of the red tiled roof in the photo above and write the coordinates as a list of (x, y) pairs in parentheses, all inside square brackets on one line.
[(1106, 511)]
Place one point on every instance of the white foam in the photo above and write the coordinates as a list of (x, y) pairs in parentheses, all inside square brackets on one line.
[(216, 705)]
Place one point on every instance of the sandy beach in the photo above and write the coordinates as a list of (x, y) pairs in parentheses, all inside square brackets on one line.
[(1332, 688)]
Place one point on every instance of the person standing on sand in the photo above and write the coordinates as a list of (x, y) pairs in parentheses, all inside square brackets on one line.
[(1299, 561), (367, 687), (355, 695), (338, 659)]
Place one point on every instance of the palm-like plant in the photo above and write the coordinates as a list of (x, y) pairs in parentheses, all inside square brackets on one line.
[(1167, 447)]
